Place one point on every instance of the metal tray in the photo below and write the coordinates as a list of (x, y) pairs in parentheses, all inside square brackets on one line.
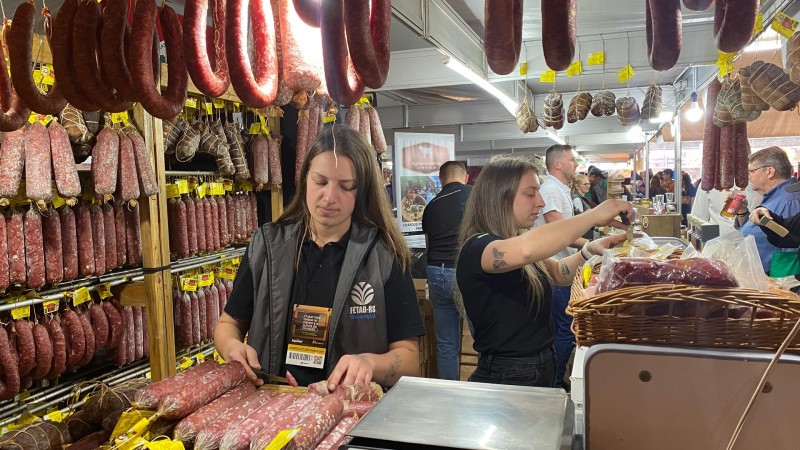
[(456, 414)]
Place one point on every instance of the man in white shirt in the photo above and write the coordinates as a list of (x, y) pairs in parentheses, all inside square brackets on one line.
[(708, 205), (561, 165)]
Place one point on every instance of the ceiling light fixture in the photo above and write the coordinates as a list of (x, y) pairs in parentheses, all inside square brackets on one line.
[(472, 76), (558, 139), (694, 113), (665, 116)]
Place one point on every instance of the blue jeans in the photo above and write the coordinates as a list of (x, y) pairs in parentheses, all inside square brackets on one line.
[(528, 371), (447, 321), (562, 323)]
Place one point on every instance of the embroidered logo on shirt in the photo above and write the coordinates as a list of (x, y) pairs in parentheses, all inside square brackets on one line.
[(361, 295)]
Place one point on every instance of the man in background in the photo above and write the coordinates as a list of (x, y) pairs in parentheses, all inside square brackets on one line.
[(770, 172), (441, 223), (561, 165), (599, 186)]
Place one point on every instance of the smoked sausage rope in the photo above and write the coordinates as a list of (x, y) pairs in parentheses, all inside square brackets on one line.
[(734, 22), (20, 55), (259, 89), (211, 81), (502, 35), (90, 80), (112, 41), (663, 28), (558, 32), (711, 138), (61, 46), (308, 11), (367, 26), (344, 85), (144, 16)]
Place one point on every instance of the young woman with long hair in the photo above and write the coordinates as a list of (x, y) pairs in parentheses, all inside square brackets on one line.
[(505, 271)]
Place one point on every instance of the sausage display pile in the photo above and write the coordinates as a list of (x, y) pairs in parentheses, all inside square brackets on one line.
[(46, 346), (212, 406), (201, 225), (198, 303)]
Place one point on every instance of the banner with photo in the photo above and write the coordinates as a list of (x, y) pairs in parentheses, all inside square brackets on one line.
[(417, 158)]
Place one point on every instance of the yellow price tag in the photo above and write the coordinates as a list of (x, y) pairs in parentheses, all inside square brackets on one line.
[(191, 102), (37, 76), (327, 117), (104, 291), (227, 184), (206, 279), (726, 68), (596, 58), (364, 100), (51, 306), (228, 273), (209, 108), (759, 23), (188, 283), (165, 444), (626, 73), (200, 358), (282, 439), (523, 68), (58, 201), (587, 274), (219, 103), (185, 363), (131, 425), (548, 76), (116, 118), (247, 186), (218, 358), (192, 183), (255, 128), (21, 312), (785, 25), (47, 73), (172, 190), (55, 416), (183, 186), (149, 375), (575, 68), (236, 261), (80, 296), (201, 190)]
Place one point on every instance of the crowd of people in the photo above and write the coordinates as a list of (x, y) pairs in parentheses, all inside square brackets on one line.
[(511, 244)]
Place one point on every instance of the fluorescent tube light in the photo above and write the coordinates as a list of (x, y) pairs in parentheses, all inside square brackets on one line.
[(558, 139), (470, 74)]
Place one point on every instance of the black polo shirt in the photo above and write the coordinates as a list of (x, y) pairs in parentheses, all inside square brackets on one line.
[(315, 284), (441, 221)]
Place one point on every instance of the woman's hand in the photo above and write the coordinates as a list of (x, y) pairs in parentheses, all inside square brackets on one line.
[(758, 213), (246, 355), (598, 246), (605, 212), (351, 369)]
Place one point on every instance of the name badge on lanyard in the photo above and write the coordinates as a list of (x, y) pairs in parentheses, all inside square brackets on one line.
[(308, 337)]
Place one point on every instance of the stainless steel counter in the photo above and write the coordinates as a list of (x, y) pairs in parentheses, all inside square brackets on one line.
[(454, 414)]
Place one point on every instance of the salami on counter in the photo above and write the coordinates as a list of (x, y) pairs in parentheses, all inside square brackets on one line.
[(182, 402)]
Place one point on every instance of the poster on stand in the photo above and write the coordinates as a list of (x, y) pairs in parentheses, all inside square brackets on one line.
[(417, 158)]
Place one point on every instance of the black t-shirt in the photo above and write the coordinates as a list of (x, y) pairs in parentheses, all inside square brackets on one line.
[(506, 321), (441, 221), (315, 285)]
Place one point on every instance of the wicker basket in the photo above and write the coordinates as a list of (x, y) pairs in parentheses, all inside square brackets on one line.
[(686, 316)]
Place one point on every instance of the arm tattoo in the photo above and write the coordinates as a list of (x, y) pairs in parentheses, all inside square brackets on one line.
[(564, 269), (392, 370), (498, 258)]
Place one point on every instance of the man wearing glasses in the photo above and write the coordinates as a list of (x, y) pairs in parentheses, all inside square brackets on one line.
[(770, 171)]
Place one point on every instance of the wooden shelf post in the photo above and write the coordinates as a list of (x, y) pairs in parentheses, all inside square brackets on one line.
[(155, 254)]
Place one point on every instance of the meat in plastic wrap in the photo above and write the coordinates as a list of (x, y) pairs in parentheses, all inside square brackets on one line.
[(624, 272)]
